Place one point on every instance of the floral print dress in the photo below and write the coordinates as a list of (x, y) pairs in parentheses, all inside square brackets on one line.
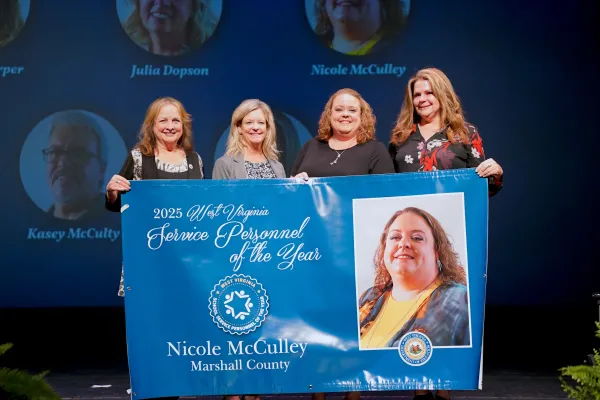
[(437, 153)]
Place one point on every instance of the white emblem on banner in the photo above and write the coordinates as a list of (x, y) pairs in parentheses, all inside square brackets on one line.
[(238, 304)]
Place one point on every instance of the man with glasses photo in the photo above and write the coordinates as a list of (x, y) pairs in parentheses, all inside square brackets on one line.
[(75, 165)]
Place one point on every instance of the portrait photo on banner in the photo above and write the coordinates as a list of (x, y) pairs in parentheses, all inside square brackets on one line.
[(66, 161), (411, 270), (13, 16), (171, 28), (357, 27)]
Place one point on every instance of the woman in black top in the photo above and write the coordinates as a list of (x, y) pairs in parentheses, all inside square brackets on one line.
[(431, 134), (345, 145), (165, 151)]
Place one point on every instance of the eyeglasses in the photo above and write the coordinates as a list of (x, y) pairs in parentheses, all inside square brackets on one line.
[(75, 156)]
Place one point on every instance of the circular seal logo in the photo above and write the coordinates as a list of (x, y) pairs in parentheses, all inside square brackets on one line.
[(238, 304), (415, 348)]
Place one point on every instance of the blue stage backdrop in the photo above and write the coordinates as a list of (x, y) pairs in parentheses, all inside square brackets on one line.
[(85, 65), (272, 286)]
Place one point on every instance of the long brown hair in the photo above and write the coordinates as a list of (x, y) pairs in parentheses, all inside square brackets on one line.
[(451, 112), (366, 130), (147, 143), (451, 270)]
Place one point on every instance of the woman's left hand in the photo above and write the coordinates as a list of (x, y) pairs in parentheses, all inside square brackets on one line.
[(489, 168)]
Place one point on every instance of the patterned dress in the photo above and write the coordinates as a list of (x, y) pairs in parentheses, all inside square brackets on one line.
[(260, 170), (437, 153)]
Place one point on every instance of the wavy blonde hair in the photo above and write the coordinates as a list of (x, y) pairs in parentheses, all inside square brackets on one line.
[(451, 112), (199, 29), (366, 130), (10, 21), (147, 142), (235, 144), (394, 14), (451, 269)]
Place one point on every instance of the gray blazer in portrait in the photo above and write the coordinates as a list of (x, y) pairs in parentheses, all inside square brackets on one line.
[(228, 167)]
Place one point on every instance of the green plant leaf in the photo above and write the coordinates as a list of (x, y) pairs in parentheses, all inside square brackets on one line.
[(5, 347), (20, 383), (583, 380)]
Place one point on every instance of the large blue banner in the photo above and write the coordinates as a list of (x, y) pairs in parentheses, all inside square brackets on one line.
[(359, 283)]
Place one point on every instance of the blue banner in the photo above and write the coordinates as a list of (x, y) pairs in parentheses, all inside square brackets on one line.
[(358, 283)]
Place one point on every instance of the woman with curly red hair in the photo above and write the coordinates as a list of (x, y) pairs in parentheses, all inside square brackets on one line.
[(345, 144)]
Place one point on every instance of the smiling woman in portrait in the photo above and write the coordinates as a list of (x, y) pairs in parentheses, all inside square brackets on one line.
[(419, 285), (359, 27), (171, 28)]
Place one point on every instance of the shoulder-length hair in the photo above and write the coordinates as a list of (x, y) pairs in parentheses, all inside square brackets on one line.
[(451, 112), (366, 130), (147, 138), (235, 144), (199, 27), (10, 21), (451, 269), (394, 14)]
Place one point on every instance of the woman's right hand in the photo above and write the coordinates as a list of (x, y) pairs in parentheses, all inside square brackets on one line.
[(302, 175), (117, 184)]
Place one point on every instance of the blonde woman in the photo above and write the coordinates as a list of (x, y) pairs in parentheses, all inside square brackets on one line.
[(170, 28), (251, 147), (251, 154)]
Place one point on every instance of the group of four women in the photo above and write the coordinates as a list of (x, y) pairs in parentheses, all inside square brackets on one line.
[(430, 134)]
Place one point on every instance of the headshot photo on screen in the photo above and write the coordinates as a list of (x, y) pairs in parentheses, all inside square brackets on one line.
[(357, 27), (411, 270), (66, 161), (13, 15), (290, 135), (169, 28)]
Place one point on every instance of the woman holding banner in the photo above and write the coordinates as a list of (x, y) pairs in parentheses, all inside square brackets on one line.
[(164, 151), (345, 145), (431, 134), (251, 154)]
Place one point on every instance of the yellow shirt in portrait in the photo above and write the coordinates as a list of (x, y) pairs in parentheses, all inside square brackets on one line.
[(393, 316), (365, 49)]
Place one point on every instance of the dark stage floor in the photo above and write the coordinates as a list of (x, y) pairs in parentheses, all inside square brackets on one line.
[(523, 349), (496, 385)]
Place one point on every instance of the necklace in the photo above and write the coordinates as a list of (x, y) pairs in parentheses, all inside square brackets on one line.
[(338, 156)]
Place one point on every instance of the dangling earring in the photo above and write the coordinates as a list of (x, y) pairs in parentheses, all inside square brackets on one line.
[(439, 264)]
